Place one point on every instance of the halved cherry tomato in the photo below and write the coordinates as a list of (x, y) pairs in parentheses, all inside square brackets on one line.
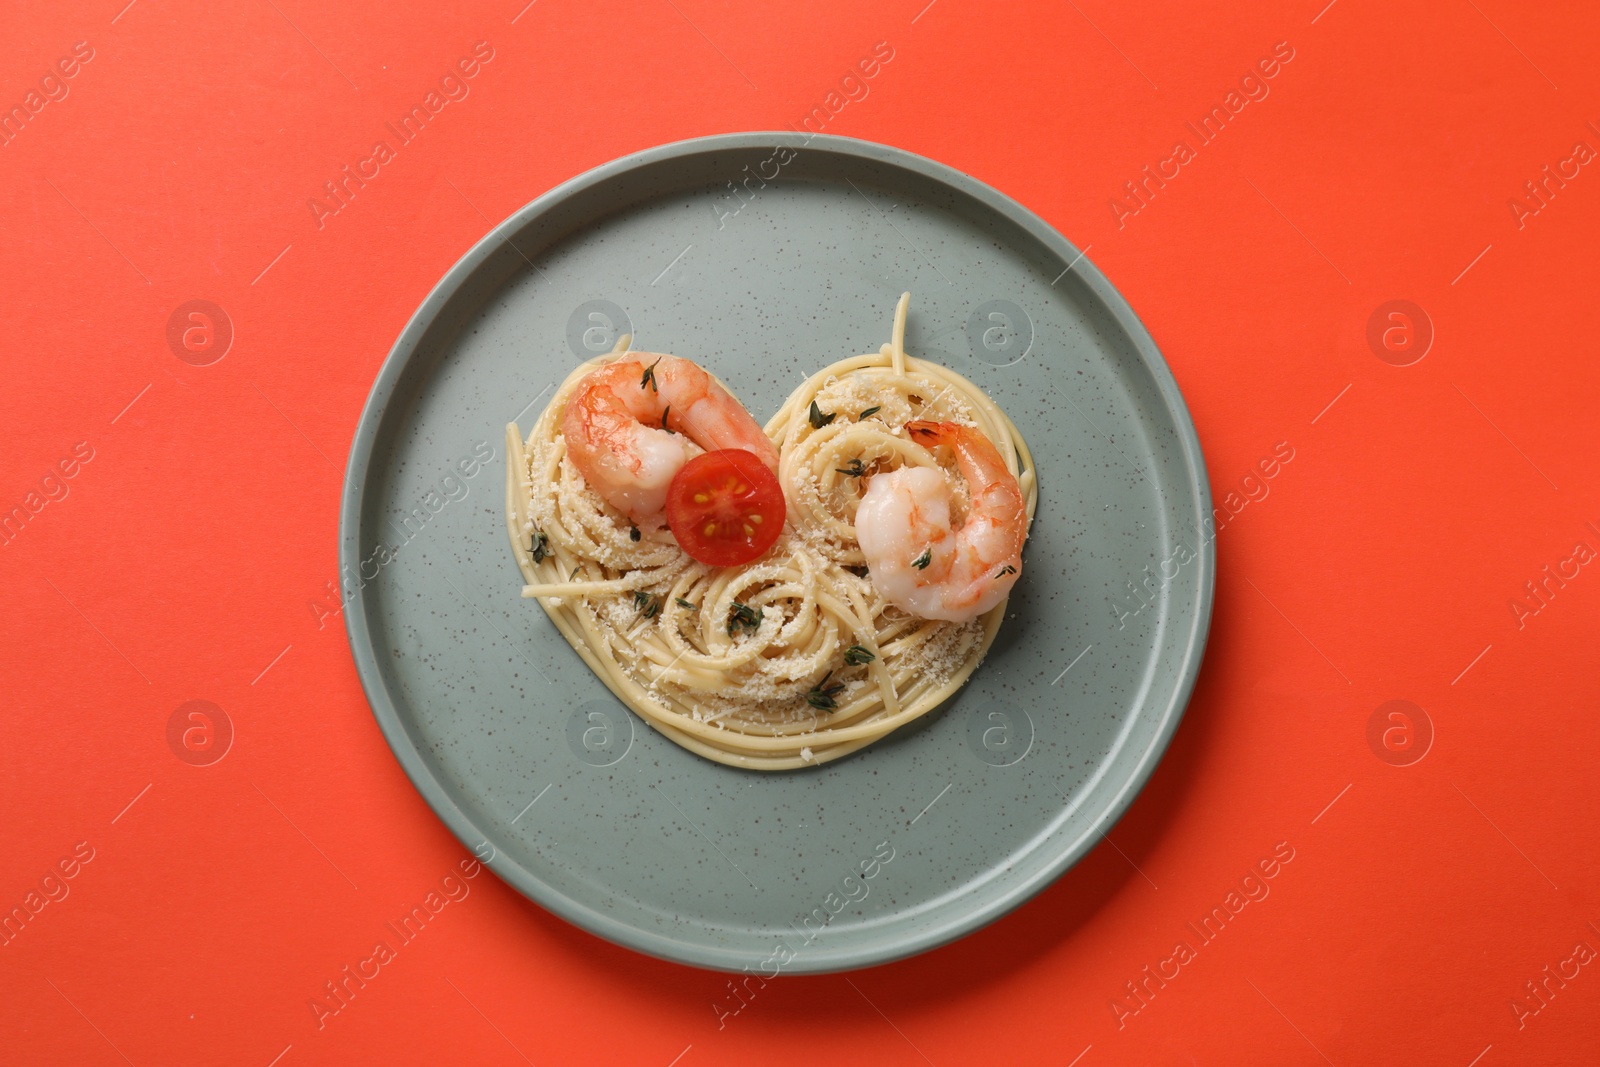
[(725, 507)]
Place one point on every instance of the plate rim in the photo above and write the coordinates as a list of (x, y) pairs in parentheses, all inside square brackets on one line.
[(815, 959)]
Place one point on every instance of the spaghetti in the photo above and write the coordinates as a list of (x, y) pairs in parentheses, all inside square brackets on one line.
[(792, 660)]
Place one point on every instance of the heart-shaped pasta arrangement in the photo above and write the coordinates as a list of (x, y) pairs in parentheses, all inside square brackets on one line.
[(906, 498)]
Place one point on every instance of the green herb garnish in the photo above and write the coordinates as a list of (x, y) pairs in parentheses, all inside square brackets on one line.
[(855, 655), (684, 604), (873, 410), (633, 533), (822, 694), (743, 617), (664, 413), (854, 469), (818, 419), (538, 548), (922, 561), (575, 571), (649, 378), (1007, 569), (649, 604)]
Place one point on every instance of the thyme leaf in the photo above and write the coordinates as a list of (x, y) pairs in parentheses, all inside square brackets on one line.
[(854, 469), (649, 604), (1007, 569), (922, 561), (818, 419), (856, 655), (822, 694), (873, 410), (649, 378), (633, 533), (664, 413), (682, 603), (743, 617), (540, 546)]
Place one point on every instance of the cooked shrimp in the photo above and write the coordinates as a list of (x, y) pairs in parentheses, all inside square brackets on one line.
[(915, 559), (632, 424)]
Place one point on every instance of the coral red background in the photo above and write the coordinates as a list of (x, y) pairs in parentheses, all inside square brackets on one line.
[(183, 562)]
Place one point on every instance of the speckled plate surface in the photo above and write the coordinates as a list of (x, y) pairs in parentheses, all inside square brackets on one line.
[(765, 256)]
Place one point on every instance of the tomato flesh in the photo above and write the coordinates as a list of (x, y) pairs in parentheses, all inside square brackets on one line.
[(725, 507)]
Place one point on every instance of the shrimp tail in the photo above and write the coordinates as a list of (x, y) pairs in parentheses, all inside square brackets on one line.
[(980, 460), (928, 433)]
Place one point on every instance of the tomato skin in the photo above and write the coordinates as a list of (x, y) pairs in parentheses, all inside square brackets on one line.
[(713, 520)]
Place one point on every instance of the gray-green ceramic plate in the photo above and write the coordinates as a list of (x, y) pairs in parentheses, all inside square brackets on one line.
[(765, 256)]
